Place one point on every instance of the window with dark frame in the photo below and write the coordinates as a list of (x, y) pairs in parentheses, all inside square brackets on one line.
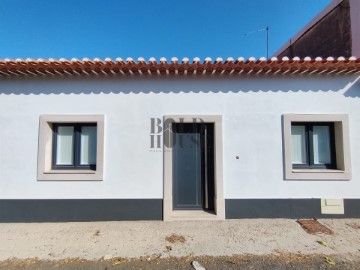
[(313, 145), (74, 146)]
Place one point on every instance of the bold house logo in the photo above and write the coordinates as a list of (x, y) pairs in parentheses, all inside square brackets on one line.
[(159, 128)]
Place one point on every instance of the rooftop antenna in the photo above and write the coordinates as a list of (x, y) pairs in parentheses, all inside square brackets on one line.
[(267, 38)]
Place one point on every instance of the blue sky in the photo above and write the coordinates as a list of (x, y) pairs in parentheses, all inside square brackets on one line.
[(149, 28)]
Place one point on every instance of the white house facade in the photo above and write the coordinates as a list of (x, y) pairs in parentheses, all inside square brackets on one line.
[(85, 140)]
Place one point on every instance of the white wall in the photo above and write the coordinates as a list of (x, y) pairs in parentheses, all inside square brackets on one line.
[(251, 109)]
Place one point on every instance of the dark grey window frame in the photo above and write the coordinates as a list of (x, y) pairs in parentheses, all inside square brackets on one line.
[(77, 147), (309, 146)]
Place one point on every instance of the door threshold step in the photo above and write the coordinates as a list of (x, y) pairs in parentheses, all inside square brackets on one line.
[(193, 215)]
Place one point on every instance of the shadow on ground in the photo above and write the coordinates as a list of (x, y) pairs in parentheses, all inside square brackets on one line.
[(277, 261)]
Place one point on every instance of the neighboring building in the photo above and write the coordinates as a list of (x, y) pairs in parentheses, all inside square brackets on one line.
[(335, 32), (124, 140)]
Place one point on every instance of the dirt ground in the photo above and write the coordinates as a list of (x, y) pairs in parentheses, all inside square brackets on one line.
[(231, 244), (278, 261), (126, 239)]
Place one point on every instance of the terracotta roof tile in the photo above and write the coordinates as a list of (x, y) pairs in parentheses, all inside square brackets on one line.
[(76, 67)]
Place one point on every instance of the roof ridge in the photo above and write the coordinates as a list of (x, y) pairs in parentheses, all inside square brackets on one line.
[(175, 59)]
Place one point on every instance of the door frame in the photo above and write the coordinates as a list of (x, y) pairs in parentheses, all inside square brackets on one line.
[(219, 203)]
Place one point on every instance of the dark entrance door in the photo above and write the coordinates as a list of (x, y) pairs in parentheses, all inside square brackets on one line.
[(193, 166)]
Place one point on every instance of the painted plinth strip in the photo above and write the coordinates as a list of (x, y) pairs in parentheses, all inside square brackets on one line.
[(80, 210), (151, 209)]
